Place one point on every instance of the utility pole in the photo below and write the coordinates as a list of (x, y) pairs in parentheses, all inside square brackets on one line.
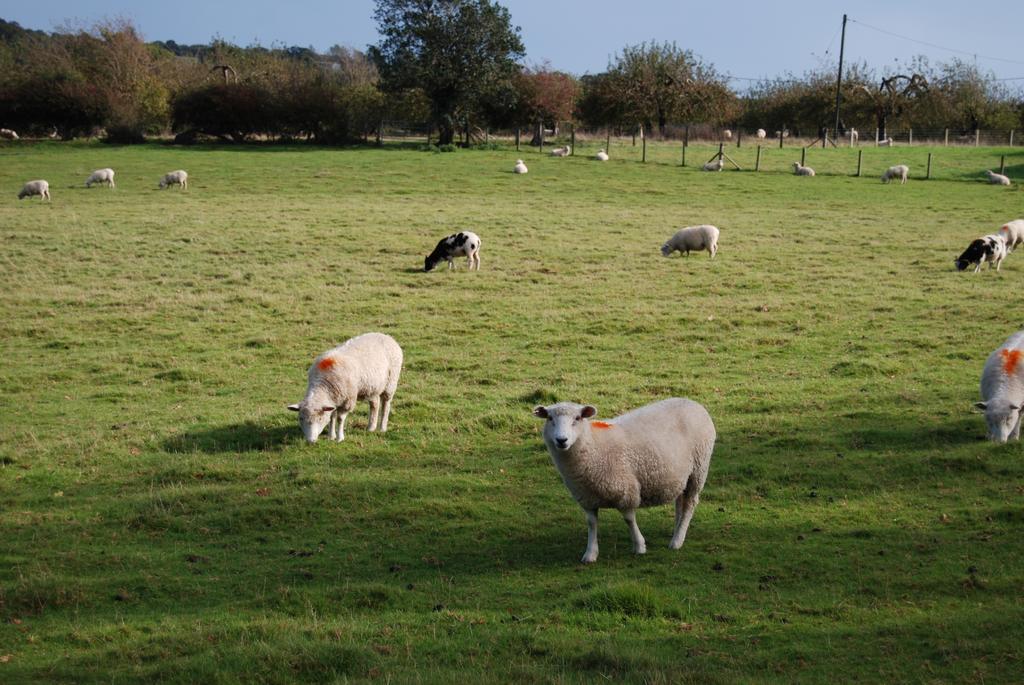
[(839, 78)]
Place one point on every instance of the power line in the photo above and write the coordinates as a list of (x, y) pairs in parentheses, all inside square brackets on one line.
[(940, 47)]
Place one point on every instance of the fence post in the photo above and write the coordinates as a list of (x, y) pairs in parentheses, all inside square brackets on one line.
[(380, 133), (1002, 163), (803, 156), (572, 137), (876, 137), (946, 144), (684, 153), (517, 139), (643, 142), (608, 143), (1011, 137), (686, 136), (911, 140), (977, 137), (860, 159), (541, 148), (757, 162), (824, 140), (780, 139), (928, 174), (739, 137)]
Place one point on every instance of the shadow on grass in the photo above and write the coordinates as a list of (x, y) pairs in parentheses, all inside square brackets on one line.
[(239, 437), (884, 434)]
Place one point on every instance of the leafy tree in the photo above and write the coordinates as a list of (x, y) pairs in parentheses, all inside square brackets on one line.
[(456, 51)]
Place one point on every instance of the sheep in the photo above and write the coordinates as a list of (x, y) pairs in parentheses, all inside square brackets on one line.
[(899, 171), (653, 455), (561, 151), (101, 176), (703, 237), (800, 170), (727, 134), (40, 188), (997, 179), (519, 168), (714, 165), (1013, 233), (887, 142), (601, 155), (364, 367), (455, 245), (8, 134), (178, 178), (1002, 389), (854, 136), (761, 134), (989, 248)]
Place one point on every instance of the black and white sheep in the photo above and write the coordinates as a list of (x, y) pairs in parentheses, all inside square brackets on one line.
[(40, 188), (178, 178), (101, 176), (900, 171), (703, 237), (1002, 389), (457, 244), (989, 248), (653, 455)]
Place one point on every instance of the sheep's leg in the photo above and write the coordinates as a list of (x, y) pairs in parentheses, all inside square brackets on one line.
[(332, 430), (478, 260), (451, 264), (341, 424), (978, 268), (385, 412), (374, 407), (1015, 433), (686, 503), (639, 544), (590, 556)]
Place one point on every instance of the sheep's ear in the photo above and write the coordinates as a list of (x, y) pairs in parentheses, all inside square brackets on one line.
[(981, 405), (540, 412), (588, 411), (293, 407), (326, 409)]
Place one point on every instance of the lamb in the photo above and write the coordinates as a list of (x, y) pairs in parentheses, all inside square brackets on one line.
[(519, 168), (178, 178), (899, 171), (653, 455), (8, 134), (761, 134), (800, 170), (101, 176), (1013, 233), (561, 151), (727, 134), (601, 155), (364, 367), (40, 188), (1002, 389), (989, 248), (714, 165), (455, 245), (703, 237), (887, 142), (997, 179)]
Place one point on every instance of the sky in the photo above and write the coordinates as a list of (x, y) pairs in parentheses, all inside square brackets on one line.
[(743, 39)]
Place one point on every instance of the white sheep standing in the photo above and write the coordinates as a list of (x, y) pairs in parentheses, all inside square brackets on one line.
[(40, 188), (1002, 389), (1013, 233), (727, 134), (703, 237), (854, 136), (761, 134), (8, 134), (364, 367), (601, 155), (178, 178), (899, 171), (800, 170), (653, 455), (101, 176), (997, 179), (716, 164), (561, 151), (520, 167)]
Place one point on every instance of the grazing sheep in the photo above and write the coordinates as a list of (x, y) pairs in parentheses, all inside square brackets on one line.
[(178, 178), (714, 165), (364, 367), (455, 245), (997, 179), (601, 155), (101, 176), (561, 151), (703, 237), (653, 455), (8, 134), (727, 134), (802, 170), (1013, 233), (40, 188), (761, 134), (899, 171), (1002, 389), (989, 248), (520, 168), (887, 142)]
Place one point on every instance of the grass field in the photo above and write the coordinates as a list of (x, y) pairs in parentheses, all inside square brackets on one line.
[(162, 520)]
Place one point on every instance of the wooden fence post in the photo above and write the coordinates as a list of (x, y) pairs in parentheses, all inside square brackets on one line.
[(643, 141), (780, 139), (684, 153), (757, 162), (977, 137), (517, 139), (541, 148), (860, 160), (608, 143), (946, 144), (1002, 163), (911, 134), (803, 156), (1011, 137), (876, 137), (686, 136), (572, 137), (739, 136), (928, 174)]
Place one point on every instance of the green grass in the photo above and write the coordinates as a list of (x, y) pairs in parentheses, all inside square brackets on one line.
[(162, 520)]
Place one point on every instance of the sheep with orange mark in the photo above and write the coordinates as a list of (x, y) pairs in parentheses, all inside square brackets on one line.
[(365, 367), (656, 454), (1002, 389), (1013, 233), (703, 237)]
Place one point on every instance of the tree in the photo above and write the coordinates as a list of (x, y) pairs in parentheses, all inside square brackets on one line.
[(545, 97), (455, 51)]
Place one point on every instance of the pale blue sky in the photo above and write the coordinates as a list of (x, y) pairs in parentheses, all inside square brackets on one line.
[(742, 38)]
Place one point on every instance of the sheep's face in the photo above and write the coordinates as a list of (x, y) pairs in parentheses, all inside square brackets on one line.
[(562, 423), (429, 264), (1002, 417), (666, 250), (313, 418)]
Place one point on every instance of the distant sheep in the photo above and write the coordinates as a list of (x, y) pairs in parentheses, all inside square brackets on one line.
[(561, 151), (101, 176), (653, 455), (520, 167), (178, 178), (727, 134), (802, 170), (703, 237), (714, 165), (761, 134), (1013, 233), (854, 136), (40, 188), (601, 155), (365, 367), (8, 134), (1002, 389), (997, 179), (887, 142), (455, 245), (899, 171), (989, 248)]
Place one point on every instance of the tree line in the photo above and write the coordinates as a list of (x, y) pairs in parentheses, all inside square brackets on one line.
[(456, 66)]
